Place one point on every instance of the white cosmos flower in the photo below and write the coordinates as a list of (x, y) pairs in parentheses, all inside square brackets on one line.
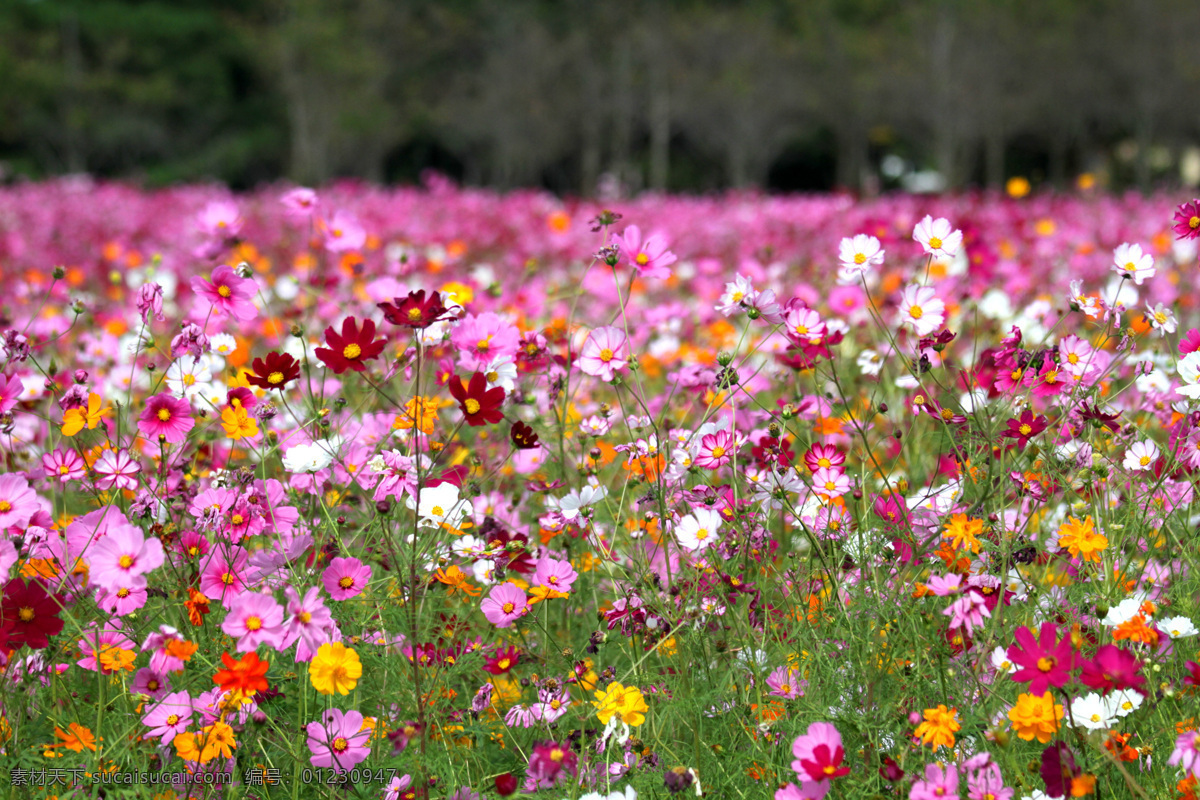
[(310, 457), (870, 362), (1140, 456), (1000, 661), (858, 255), (1130, 262), (571, 505), (439, 505), (501, 372), (1092, 712), (1177, 627), (1124, 702), (921, 308), (1189, 372), (698, 530)]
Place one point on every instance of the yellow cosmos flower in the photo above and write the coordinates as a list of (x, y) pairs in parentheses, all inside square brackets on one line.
[(624, 702), (76, 419), (335, 668)]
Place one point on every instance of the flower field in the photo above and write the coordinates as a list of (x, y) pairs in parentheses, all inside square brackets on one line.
[(366, 493)]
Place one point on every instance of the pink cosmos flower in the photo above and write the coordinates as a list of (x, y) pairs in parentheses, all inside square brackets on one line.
[(64, 466), (308, 621), (716, 450), (129, 596), (484, 338), (10, 390), (228, 293), (819, 756), (968, 611), (220, 218), (941, 783), (803, 325), (339, 740), (98, 641), (18, 503), (121, 556), (116, 468), (650, 258), (786, 683), (605, 351), (223, 574), (344, 233), (345, 578), (169, 717), (151, 683), (1186, 754), (300, 203), (253, 619), (504, 605), (166, 416), (830, 482), (1190, 343), (555, 574)]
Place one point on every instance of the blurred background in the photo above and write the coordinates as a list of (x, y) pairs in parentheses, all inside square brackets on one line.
[(584, 97)]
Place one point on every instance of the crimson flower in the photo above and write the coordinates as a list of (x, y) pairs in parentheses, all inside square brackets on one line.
[(1024, 428), (1187, 220), (523, 436), (1113, 669), (502, 661), (414, 311), (1099, 418), (1058, 769), (274, 372), (352, 348), (1044, 661), (1193, 679), (28, 614), (480, 404)]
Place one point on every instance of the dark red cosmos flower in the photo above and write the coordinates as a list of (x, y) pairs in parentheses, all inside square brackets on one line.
[(414, 311), (354, 346), (1113, 669), (506, 784), (1044, 661), (1024, 428), (1187, 220), (1192, 679), (1058, 769), (771, 451), (28, 614), (480, 404), (890, 771), (274, 372), (502, 661), (523, 436), (1095, 415)]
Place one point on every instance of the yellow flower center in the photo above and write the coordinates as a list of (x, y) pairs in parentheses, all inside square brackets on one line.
[(340, 744), (718, 451), (275, 377), (253, 623), (26, 614), (504, 663), (701, 534), (414, 315), (227, 578), (437, 511), (492, 376), (642, 259), (1130, 266), (1144, 461), (305, 616), (916, 312), (1194, 223), (352, 351), (224, 291), (125, 562), (62, 470), (1046, 664), (172, 719), (508, 608), (189, 380), (346, 582), (935, 243), (606, 355), (123, 593), (558, 754), (472, 405), (164, 414), (1025, 429), (859, 258)]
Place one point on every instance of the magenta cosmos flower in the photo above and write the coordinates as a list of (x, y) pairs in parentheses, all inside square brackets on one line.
[(228, 293), (504, 605), (116, 468), (339, 740), (10, 390), (166, 416), (253, 619), (716, 450), (345, 578), (122, 557), (18, 503), (650, 257), (1043, 661), (606, 350)]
